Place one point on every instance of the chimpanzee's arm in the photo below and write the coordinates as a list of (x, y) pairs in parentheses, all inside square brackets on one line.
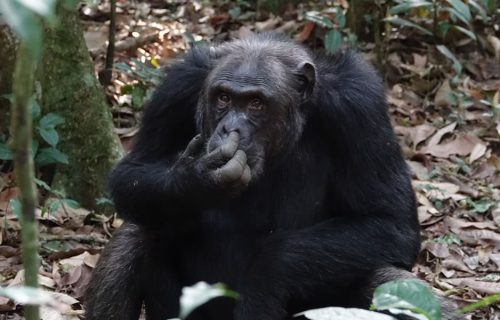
[(142, 184)]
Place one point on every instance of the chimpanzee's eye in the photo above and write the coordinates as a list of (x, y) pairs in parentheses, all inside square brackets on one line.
[(224, 98), (256, 105)]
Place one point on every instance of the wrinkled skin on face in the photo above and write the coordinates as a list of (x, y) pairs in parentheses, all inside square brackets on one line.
[(260, 99)]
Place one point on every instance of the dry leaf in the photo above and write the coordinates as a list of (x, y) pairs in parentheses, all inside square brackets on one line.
[(444, 96), (480, 286), (440, 133), (477, 152), (438, 190), (462, 145)]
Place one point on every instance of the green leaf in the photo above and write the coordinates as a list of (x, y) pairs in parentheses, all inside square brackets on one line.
[(16, 208), (24, 23), (138, 95), (461, 10), (45, 8), (340, 18), (444, 27), (481, 206), (103, 201), (407, 5), (407, 295), (468, 33), (50, 155), (42, 184), (234, 12), (5, 153), (53, 205), (406, 23), (35, 109), (34, 147), (49, 135), (456, 15), (319, 20), (457, 66), (333, 41), (71, 203), (50, 120), (477, 7), (199, 294), (337, 313)]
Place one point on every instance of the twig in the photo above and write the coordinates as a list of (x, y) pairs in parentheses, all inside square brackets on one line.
[(74, 237)]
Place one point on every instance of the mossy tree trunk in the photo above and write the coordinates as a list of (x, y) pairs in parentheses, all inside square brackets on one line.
[(8, 48), (69, 88)]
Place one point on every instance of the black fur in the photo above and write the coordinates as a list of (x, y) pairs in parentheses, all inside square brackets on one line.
[(312, 231)]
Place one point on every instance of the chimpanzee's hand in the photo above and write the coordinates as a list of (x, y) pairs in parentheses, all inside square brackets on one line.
[(223, 170)]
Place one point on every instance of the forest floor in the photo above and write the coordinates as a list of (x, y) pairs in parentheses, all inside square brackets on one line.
[(448, 129)]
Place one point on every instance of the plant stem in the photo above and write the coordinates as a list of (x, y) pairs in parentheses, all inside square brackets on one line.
[(23, 167)]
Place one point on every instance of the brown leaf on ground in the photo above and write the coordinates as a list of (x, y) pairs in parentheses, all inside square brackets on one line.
[(436, 138), (480, 286), (462, 145), (444, 96)]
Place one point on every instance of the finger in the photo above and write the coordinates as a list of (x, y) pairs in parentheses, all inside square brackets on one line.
[(194, 146), (225, 151), (246, 176), (233, 169), (230, 145)]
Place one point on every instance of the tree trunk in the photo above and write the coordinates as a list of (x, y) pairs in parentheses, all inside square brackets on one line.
[(8, 48), (69, 88)]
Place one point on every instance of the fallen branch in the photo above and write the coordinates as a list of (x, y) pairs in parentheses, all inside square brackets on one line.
[(74, 237)]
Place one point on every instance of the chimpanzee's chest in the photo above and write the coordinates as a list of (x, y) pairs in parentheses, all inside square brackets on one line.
[(231, 236)]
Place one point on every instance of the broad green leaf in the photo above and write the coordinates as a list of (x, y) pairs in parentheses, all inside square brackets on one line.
[(50, 155), (24, 23), (49, 135), (457, 66), (319, 20), (50, 120), (406, 23), (335, 313), (477, 7), (15, 205), (71, 203), (468, 33), (5, 153), (462, 9), (42, 184), (53, 205), (407, 5), (481, 206), (333, 41), (45, 8), (199, 294), (455, 14), (407, 295)]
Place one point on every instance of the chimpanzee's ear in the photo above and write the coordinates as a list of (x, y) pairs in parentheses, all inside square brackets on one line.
[(306, 72)]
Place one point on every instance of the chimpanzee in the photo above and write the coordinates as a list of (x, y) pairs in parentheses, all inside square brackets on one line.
[(269, 169)]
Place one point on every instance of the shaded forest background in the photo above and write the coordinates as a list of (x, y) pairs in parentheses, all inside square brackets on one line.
[(440, 61)]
